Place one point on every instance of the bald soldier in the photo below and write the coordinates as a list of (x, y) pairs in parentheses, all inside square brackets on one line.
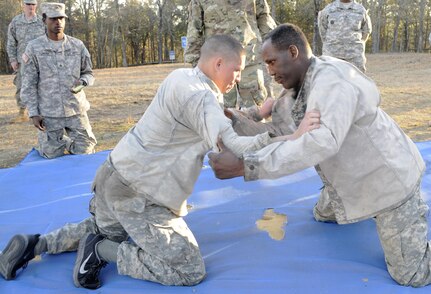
[(57, 67), (246, 20), (22, 29), (141, 191)]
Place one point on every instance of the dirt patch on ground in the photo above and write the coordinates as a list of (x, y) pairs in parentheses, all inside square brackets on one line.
[(120, 96), (404, 81)]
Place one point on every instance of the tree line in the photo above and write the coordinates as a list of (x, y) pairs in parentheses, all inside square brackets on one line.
[(136, 32)]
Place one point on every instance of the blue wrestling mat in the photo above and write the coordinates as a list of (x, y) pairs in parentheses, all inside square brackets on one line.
[(40, 195)]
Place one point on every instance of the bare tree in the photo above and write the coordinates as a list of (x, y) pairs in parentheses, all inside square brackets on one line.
[(121, 30), (70, 20), (317, 42), (420, 45), (143, 31), (377, 7), (396, 26), (160, 7), (150, 35), (101, 32), (85, 9)]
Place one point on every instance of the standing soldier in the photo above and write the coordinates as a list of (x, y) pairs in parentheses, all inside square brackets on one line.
[(57, 68), (344, 27), (246, 20), (22, 29)]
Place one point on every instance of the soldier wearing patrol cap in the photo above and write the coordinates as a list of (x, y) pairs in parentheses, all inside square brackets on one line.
[(57, 68), (22, 29), (53, 10)]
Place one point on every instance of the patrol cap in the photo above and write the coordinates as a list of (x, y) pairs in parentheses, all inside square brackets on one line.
[(52, 9), (30, 2)]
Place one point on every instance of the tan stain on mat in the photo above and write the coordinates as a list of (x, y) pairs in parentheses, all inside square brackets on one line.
[(273, 223)]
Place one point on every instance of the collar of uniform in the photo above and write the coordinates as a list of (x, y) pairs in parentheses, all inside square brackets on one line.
[(66, 43), (306, 82), (300, 105), (345, 5), (33, 19), (197, 71)]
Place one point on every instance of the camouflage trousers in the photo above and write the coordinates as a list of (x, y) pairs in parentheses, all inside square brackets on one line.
[(17, 82), (403, 234), (358, 61), (353, 54), (73, 134), (250, 90), (155, 244), (67, 237)]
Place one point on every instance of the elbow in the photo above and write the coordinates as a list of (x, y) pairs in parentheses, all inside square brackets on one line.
[(326, 144), (332, 145)]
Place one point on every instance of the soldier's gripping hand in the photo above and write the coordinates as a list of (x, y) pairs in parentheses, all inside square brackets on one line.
[(38, 122), (225, 164), (265, 110), (14, 65), (78, 85)]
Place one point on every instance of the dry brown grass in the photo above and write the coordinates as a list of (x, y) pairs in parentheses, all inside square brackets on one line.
[(404, 81), (120, 96), (118, 99)]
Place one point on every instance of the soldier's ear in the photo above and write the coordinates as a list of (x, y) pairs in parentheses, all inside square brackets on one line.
[(293, 51), (218, 63)]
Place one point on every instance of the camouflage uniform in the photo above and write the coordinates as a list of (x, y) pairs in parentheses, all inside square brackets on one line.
[(49, 74), (171, 255), (246, 20), (141, 191), (392, 198), (20, 32), (344, 29)]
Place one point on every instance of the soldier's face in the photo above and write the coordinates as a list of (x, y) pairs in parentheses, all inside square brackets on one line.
[(55, 25), (229, 72), (30, 9), (282, 65)]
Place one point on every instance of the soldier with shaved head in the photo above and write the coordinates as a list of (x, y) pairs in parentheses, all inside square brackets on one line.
[(248, 21)]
